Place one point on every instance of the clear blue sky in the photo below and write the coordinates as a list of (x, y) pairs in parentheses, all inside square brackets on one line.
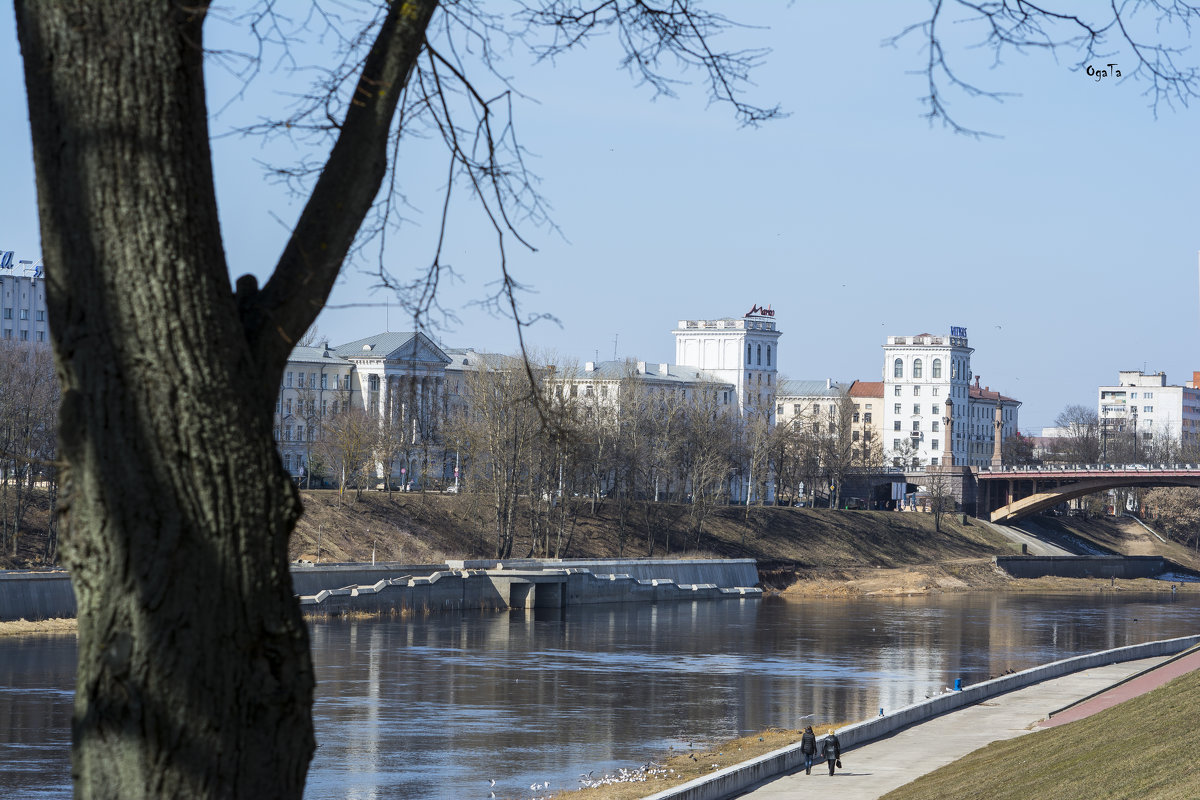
[(1068, 248)]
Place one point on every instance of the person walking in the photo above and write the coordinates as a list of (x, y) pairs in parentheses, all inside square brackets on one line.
[(831, 748), (808, 746)]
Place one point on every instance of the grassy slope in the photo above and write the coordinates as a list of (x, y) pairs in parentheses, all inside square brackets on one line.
[(424, 528), (1143, 748)]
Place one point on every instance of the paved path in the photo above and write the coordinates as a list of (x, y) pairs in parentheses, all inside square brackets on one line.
[(1131, 688), (1034, 545), (876, 768)]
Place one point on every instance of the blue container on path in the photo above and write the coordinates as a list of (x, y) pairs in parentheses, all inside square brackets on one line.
[(958, 684)]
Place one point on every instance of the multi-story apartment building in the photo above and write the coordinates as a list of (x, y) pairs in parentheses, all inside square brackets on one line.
[(868, 409), (742, 351), (22, 300), (317, 384), (808, 405), (1159, 416), (602, 381), (919, 374)]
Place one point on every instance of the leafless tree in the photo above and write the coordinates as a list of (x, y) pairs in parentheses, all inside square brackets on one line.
[(28, 404), (941, 494), (1154, 34), (348, 447), (174, 484), (1079, 439)]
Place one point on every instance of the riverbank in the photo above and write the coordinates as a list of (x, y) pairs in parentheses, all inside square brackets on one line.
[(41, 627), (956, 575), (678, 767)]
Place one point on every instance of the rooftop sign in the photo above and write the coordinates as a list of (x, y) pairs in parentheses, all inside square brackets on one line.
[(759, 311)]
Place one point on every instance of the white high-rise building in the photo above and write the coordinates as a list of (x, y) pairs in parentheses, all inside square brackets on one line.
[(22, 300), (919, 373), (742, 352)]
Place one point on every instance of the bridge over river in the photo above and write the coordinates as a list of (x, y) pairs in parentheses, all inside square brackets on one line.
[(1004, 494)]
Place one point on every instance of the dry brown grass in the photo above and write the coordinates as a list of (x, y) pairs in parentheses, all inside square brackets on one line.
[(682, 767), (1144, 748), (52, 627)]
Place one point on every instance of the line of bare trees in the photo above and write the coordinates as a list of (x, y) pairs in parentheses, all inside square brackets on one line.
[(652, 453), (29, 397)]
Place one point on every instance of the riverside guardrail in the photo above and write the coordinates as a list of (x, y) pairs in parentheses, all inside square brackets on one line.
[(735, 780), (509, 585)]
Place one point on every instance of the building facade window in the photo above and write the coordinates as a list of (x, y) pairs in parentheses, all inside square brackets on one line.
[(897, 409), (916, 425), (935, 430), (916, 368), (759, 348), (768, 355), (937, 368), (898, 368), (896, 425), (916, 408), (867, 417), (748, 359), (896, 391), (916, 391)]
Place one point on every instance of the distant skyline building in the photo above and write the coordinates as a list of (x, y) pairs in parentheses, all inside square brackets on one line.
[(1144, 404), (741, 351), (22, 299), (919, 373)]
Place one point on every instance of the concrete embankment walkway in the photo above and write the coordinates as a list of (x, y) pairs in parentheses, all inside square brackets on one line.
[(876, 768)]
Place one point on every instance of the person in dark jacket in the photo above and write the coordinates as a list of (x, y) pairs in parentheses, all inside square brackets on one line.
[(831, 748), (808, 746)]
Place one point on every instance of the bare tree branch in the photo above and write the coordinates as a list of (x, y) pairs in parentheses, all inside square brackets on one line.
[(1018, 25)]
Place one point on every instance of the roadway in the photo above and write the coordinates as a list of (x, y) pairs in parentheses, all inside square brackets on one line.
[(1033, 545)]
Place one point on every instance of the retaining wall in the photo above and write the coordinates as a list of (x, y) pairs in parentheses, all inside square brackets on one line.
[(1085, 566), (36, 595), (734, 780), (44, 595)]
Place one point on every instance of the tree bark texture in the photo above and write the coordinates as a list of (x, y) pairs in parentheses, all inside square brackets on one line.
[(194, 676)]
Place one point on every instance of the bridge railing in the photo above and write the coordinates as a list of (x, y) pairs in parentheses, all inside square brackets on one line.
[(1044, 468)]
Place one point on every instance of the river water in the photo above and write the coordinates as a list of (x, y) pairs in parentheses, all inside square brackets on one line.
[(440, 706)]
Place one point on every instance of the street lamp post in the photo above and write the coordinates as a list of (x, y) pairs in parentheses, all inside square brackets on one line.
[(318, 544), (1104, 436), (1135, 435)]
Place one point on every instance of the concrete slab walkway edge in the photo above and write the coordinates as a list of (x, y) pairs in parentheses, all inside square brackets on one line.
[(734, 780)]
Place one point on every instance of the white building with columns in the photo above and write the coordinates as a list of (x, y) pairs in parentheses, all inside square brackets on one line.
[(741, 351), (396, 377)]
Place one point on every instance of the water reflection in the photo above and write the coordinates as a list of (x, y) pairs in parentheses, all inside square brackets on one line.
[(435, 707)]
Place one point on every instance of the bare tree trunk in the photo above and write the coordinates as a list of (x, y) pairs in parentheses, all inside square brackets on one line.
[(180, 567), (194, 677)]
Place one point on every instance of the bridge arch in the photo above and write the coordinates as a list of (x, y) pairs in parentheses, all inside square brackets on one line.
[(1052, 496)]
